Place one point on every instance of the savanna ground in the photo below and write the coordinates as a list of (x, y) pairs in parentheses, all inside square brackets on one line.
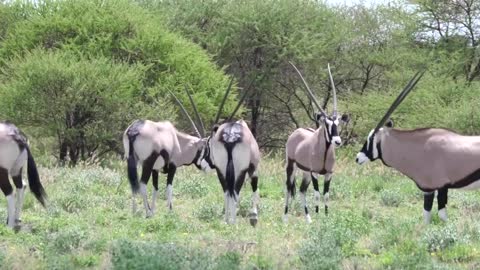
[(375, 222)]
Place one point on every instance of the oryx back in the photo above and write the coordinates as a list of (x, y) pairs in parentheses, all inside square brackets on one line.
[(433, 157)]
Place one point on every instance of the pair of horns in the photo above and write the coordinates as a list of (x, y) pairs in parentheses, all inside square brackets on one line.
[(411, 84), (310, 93), (201, 132)]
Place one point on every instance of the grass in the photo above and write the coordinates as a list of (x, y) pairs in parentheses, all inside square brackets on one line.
[(375, 222)]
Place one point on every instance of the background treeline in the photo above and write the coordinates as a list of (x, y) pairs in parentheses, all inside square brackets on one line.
[(78, 72)]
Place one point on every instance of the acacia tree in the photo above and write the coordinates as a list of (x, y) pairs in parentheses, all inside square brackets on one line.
[(453, 27), (74, 60)]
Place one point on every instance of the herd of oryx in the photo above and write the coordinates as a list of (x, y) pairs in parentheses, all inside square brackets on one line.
[(435, 159)]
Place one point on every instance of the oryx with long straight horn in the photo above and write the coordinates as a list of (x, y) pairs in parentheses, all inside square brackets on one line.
[(159, 146), (14, 155), (436, 159), (313, 152), (234, 152)]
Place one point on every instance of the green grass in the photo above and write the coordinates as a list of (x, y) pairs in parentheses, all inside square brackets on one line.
[(375, 222)]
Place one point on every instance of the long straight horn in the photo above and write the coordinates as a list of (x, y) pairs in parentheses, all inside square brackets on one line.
[(411, 84), (240, 102), (197, 115), (186, 114), (309, 92), (334, 92), (223, 101)]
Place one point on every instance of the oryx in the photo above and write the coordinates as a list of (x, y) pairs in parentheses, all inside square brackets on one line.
[(436, 159), (14, 155), (234, 152), (160, 146), (313, 152)]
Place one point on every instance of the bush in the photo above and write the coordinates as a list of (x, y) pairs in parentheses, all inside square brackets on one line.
[(439, 238), (391, 197), (82, 71), (140, 255)]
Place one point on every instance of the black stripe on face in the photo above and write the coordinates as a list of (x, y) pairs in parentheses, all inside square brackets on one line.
[(368, 147)]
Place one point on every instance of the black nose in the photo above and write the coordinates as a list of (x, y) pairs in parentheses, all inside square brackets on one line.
[(337, 143)]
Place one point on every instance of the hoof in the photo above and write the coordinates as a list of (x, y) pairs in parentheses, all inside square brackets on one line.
[(308, 219), (285, 218), (253, 219), (149, 214)]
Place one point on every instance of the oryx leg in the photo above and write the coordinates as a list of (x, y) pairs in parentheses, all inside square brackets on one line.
[(290, 186), (223, 183), (20, 195), (326, 189), (442, 199), (146, 172), (171, 173), (238, 186), (427, 206), (155, 190), (7, 189), (303, 194), (252, 173), (317, 191)]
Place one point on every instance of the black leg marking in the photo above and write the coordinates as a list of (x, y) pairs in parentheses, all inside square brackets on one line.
[(221, 179), (326, 189), (17, 180), (428, 201), (442, 198), (5, 185), (239, 182), (171, 173), (148, 167), (315, 187), (303, 190), (155, 179)]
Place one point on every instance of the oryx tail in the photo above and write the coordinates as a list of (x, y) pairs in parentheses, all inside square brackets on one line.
[(132, 134), (34, 179)]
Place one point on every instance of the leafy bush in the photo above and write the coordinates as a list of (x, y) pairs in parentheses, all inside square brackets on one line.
[(391, 197), (82, 71), (439, 238), (140, 255), (209, 211)]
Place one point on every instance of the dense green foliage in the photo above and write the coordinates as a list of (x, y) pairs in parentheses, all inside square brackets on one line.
[(79, 50)]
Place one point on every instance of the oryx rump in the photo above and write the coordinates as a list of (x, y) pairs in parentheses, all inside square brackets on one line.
[(14, 155)]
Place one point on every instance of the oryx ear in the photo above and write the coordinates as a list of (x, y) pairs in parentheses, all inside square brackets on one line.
[(389, 123), (215, 128), (345, 118), (319, 117)]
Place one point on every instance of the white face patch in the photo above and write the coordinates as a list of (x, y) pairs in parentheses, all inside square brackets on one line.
[(337, 140), (362, 158)]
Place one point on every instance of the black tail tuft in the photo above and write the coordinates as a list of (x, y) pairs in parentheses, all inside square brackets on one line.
[(132, 166), (34, 180), (230, 173)]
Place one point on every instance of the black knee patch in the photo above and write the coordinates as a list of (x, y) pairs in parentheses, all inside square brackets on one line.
[(155, 179), (442, 198), (428, 201), (315, 183), (326, 187), (5, 185)]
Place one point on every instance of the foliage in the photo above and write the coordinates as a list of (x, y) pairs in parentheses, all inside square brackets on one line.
[(122, 38)]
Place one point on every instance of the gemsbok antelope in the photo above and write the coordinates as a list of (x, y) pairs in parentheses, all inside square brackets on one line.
[(313, 152), (436, 159), (159, 146), (14, 153), (234, 152)]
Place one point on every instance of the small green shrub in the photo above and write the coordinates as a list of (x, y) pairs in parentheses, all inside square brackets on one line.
[(209, 211), (321, 251), (391, 198), (229, 261), (67, 240), (127, 254), (192, 186), (439, 238)]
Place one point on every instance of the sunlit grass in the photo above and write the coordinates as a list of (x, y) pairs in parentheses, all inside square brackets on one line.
[(375, 222)]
